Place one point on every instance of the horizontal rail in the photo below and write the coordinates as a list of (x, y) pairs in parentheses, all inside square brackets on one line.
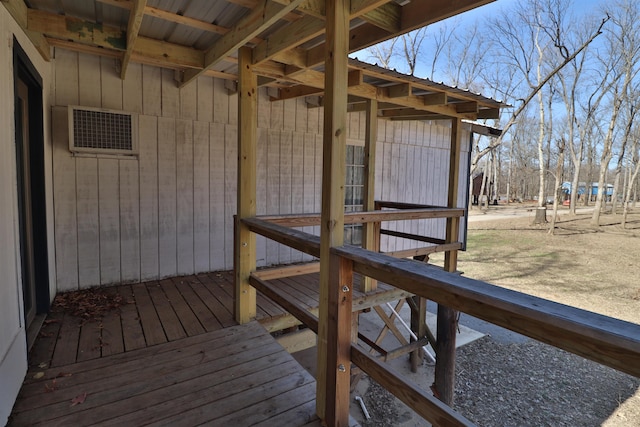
[(424, 404), (304, 242), (410, 236), (288, 271), (406, 253), (608, 341), (401, 205), (297, 310), (306, 220), (427, 406)]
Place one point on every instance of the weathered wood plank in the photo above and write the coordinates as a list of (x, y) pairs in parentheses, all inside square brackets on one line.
[(216, 196), (223, 313), (67, 344), (129, 220), (148, 171), (170, 321), (184, 196), (111, 340), (205, 316), (167, 230), (89, 342), (88, 222), (230, 190), (153, 332), (64, 180), (201, 193), (132, 332), (109, 215), (184, 313)]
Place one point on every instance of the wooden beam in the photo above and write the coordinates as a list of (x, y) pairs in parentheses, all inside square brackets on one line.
[(19, 11), (386, 17), (295, 92), (489, 113), (245, 240), (467, 107), (413, 395), (70, 28), (399, 90), (332, 393), (414, 15), (605, 340), (355, 78), (135, 21), (447, 325), (302, 31), (264, 15), (370, 231), (437, 98)]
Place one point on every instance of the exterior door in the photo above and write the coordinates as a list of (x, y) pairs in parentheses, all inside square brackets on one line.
[(25, 201)]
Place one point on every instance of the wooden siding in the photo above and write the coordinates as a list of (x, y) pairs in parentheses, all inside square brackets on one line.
[(170, 211)]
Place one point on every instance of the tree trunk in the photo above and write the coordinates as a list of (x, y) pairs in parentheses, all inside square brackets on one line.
[(558, 187)]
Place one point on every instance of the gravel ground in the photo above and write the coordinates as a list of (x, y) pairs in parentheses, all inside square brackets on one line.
[(533, 384)]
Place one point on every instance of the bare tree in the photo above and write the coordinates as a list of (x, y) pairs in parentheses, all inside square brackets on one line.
[(623, 43), (411, 44), (383, 53)]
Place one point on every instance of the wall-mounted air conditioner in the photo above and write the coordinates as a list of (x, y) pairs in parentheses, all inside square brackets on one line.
[(102, 131)]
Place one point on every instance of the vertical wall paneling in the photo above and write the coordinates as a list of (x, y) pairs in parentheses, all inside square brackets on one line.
[(109, 214), (89, 86), (273, 187), (230, 188), (88, 221), (308, 179), (111, 84), (204, 97), (167, 253), (151, 90), (184, 211), (220, 102), (148, 171), (66, 80), (261, 189), (189, 101), (170, 95), (132, 89), (216, 196), (64, 185), (170, 211), (286, 146), (129, 219), (277, 115), (201, 194), (297, 181)]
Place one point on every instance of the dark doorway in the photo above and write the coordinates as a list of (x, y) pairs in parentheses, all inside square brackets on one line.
[(31, 191)]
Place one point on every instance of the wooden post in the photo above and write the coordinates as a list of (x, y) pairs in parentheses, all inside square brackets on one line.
[(332, 378), (370, 139), (245, 240), (419, 327), (447, 318)]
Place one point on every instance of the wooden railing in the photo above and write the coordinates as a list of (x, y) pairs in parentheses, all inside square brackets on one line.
[(605, 340)]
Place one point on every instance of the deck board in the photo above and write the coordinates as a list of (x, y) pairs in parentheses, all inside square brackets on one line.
[(237, 375)]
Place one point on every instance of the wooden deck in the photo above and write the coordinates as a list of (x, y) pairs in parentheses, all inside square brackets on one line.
[(234, 376), (154, 313), (170, 350)]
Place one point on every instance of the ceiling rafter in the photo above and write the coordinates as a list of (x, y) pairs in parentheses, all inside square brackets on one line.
[(302, 31), (19, 11), (133, 28), (259, 19)]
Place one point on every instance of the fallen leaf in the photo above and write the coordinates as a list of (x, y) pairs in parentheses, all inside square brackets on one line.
[(43, 365), (38, 375), (63, 374), (79, 399)]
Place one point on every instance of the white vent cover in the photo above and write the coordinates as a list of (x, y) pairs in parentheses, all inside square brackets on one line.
[(101, 131)]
